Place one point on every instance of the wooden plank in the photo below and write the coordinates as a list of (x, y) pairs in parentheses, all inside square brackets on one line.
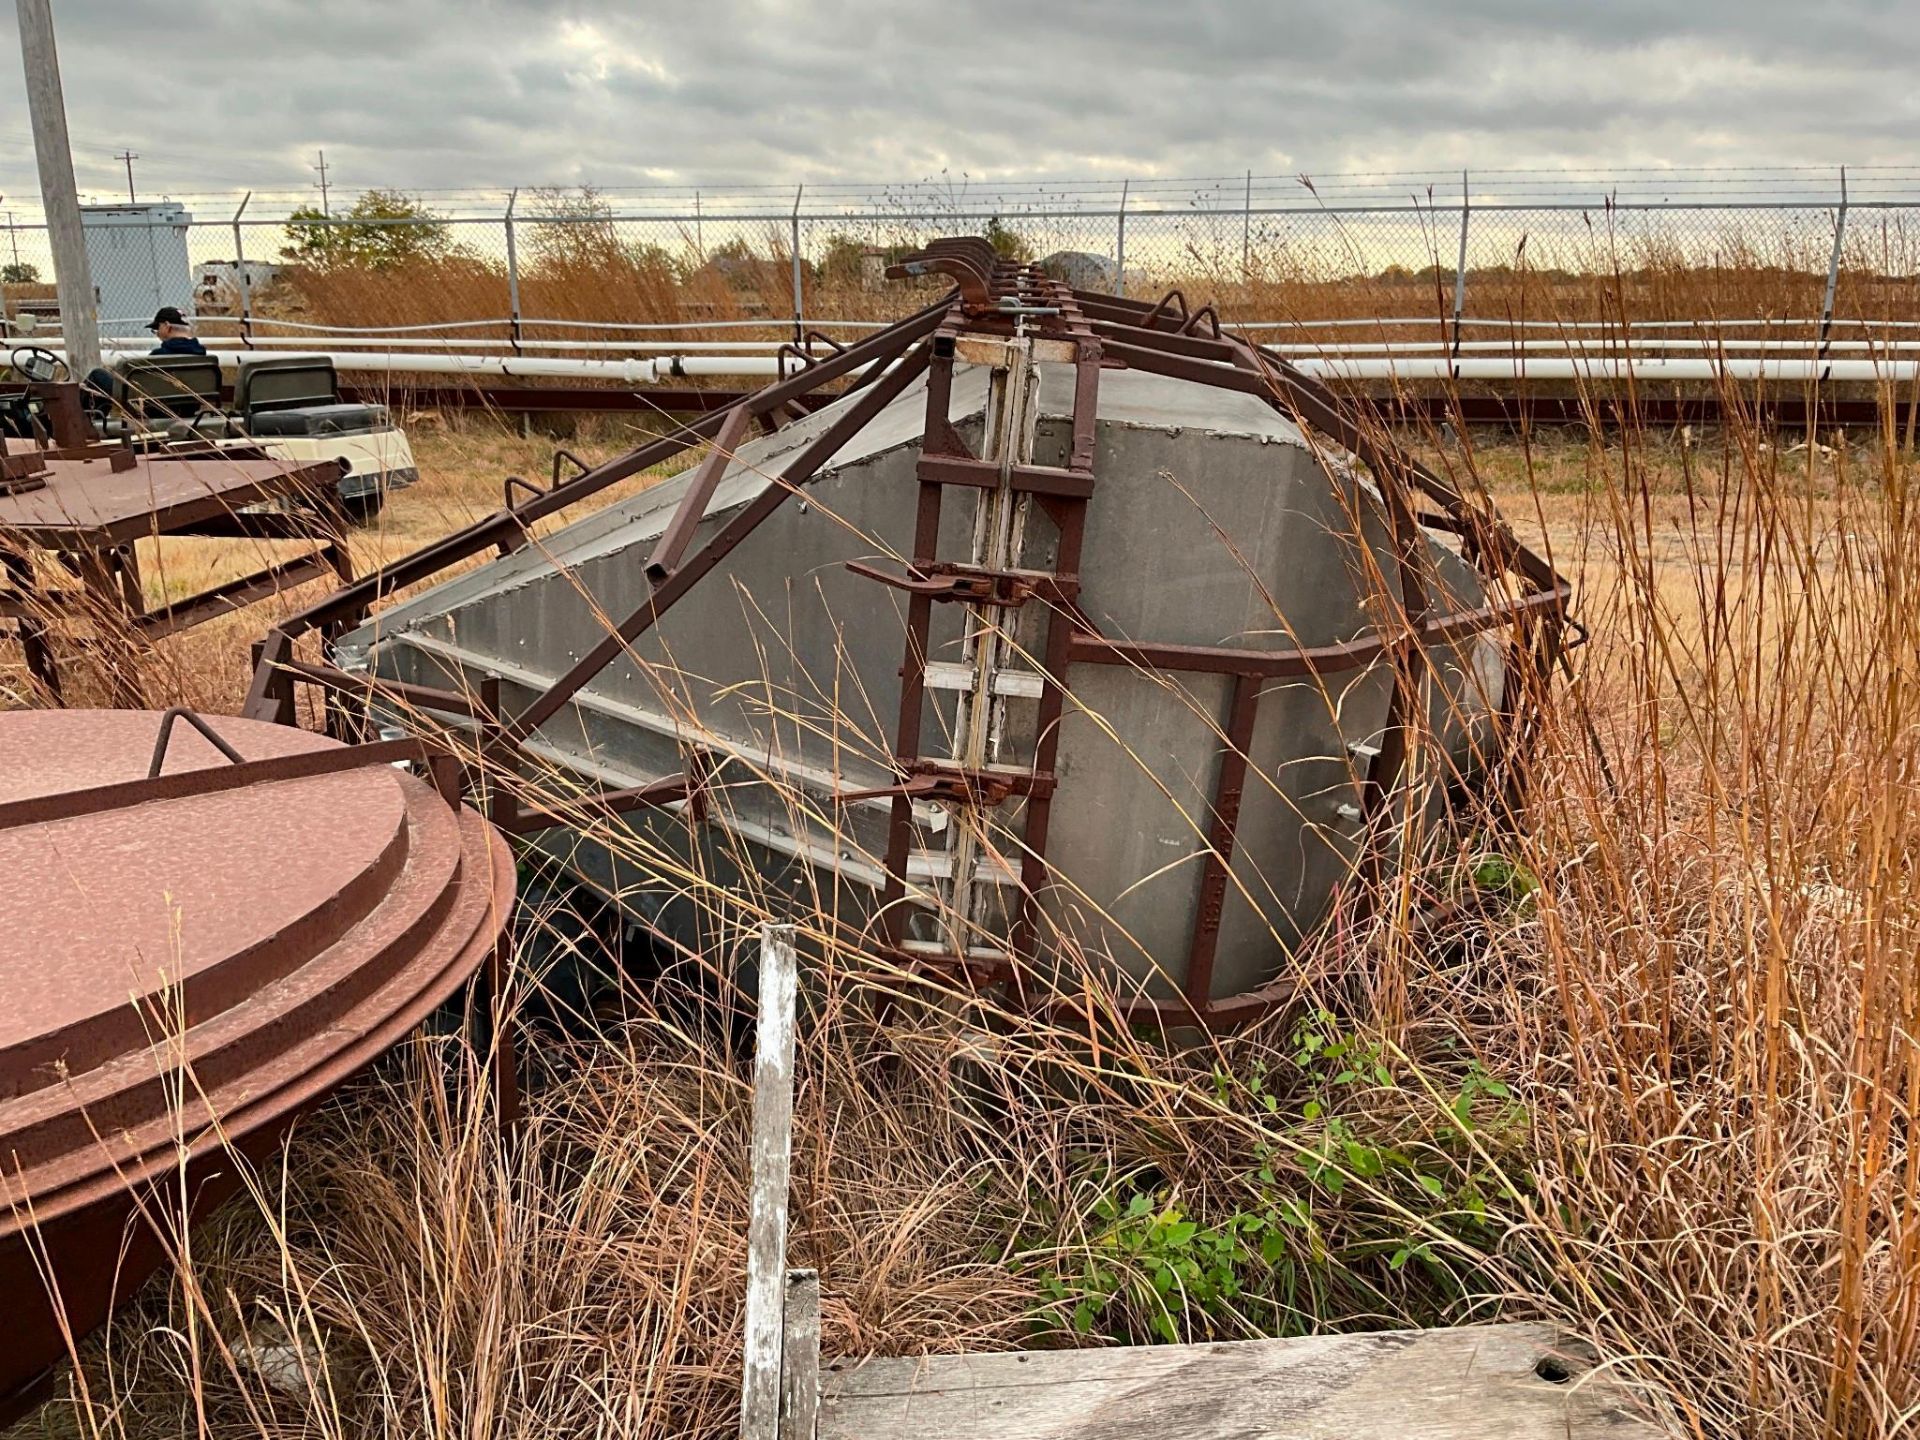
[(800, 1357), (1515, 1382), (767, 1217)]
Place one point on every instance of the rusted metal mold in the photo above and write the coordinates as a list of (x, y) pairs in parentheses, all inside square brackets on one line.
[(89, 505), (207, 926), (1092, 629)]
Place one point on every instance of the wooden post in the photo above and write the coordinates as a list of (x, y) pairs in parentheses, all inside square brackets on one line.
[(800, 1357), (760, 1381), (79, 311)]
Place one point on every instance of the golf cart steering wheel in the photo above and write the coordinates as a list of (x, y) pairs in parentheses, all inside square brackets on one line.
[(38, 365)]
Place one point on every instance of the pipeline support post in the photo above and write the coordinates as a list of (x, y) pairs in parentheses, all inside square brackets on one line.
[(799, 302), (240, 274), (1120, 243), (1246, 232), (1833, 271), (1460, 270), (513, 274)]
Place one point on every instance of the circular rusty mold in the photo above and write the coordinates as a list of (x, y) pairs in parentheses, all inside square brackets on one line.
[(200, 939)]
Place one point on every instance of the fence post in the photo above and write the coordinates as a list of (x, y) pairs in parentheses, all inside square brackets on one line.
[(240, 274), (1460, 273), (1120, 244), (799, 303), (1246, 232), (513, 274), (1833, 271)]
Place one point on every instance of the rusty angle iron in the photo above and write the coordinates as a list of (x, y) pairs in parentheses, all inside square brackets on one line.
[(203, 935)]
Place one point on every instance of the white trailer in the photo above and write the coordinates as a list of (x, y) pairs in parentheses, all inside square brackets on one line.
[(138, 255)]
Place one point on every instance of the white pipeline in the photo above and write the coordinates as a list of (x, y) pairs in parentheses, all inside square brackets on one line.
[(1778, 369), (1772, 369), (635, 371)]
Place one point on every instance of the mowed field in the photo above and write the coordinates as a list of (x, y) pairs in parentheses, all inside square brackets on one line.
[(1653, 1078)]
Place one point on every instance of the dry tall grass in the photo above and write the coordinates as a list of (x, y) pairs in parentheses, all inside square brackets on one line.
[(1653, 1078), (1600, 267)]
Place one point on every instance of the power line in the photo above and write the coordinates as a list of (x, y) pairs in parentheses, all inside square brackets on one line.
[(325, 209), (129, 156)]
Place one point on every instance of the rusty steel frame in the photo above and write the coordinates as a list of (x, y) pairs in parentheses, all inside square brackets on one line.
[(98, 548), (994, 298)]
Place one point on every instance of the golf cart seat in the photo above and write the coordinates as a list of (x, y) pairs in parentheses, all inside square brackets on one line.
[(299, 395), (178, 395), (290, 406)]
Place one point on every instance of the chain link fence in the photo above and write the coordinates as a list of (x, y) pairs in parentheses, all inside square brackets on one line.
[(1816, 249)]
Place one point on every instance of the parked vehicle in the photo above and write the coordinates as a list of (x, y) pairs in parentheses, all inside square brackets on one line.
[(288, 406)]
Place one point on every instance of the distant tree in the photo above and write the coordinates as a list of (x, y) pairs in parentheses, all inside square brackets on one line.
[(845, 258), (19, 273), (384, 228), (1401, 275), (574, 230), (841, 258), (747, 272)]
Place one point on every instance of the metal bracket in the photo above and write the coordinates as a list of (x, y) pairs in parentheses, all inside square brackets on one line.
[(973, 584), (514, 482), (181, 712), (954, 785)]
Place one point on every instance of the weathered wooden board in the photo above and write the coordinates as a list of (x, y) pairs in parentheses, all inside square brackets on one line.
[(760, 1387), (1490, 1382), (800, 1357)]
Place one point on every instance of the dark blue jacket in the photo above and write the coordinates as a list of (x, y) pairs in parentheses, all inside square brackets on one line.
[(179, 345)]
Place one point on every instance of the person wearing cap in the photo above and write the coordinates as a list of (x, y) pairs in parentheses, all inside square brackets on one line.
[(106, 389), (174, 333)]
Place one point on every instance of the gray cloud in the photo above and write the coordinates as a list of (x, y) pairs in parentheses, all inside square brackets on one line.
[(433, 94)]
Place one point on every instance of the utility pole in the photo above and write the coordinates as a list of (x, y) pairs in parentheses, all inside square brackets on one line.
[(129, 157), (79, 307), (325, 209)]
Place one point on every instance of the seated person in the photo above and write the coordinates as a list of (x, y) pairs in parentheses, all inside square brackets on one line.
[(106, 389)]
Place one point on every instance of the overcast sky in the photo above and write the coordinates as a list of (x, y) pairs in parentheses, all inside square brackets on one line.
[(425, 94)]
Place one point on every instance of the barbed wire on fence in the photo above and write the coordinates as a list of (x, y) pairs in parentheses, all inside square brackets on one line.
[(1331, 248)]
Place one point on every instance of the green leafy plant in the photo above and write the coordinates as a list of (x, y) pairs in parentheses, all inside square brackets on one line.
[(1351, 1176), (1497, 877)]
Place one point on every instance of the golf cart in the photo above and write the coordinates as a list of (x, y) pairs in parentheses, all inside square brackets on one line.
[(28, 405), (285, 407)]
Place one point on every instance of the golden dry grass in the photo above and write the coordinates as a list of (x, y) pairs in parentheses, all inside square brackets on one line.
[(1606, 268)]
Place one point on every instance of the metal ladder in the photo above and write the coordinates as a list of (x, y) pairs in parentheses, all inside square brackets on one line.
[(967, 775)]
